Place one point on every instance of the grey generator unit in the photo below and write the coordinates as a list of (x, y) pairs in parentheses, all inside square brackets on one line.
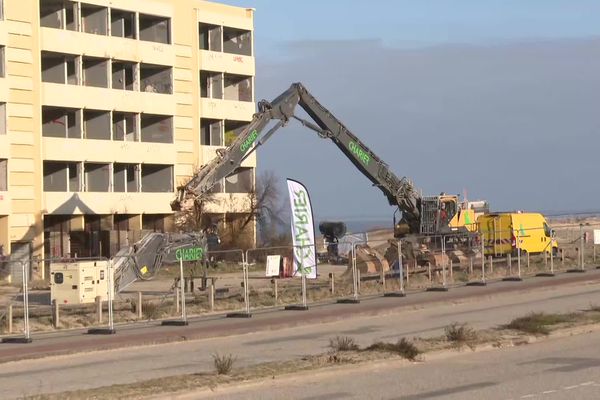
[(79, 282)]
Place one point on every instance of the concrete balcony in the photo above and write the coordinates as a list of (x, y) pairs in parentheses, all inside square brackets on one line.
[(65, 41), (229, 203), (61, 149), (107, 203), (210, 152), (5, 203), (227, 109), (225, 62), (75, 96)]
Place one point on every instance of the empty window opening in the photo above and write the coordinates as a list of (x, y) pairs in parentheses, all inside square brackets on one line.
[(237, 41), (211, 85), (61, 122), (95, 72), (156, 128), (240, 182), (2, 61), (157, 178), (96, 124), (3, 175), (156, 79), (238, 87), (125, 177), (94, 19), (211, 132), (97, 177), (58, 14), (61, 176), (122, 23), (155, 29), (59, 68), (123, 75), (124, 126), (2, 118), (154, 222), (232, 130), (210, 37)]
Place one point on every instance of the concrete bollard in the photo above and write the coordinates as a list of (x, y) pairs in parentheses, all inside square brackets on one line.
[(332, 282), (55, 314), (211, 297), (139, 306), (98, 309)]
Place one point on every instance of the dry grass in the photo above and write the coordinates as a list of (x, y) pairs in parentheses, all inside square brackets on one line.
[(461, 335), (539, 323), (343, 343), (402, 347), (223, 363)]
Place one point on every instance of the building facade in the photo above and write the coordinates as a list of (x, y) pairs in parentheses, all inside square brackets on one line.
[(105, 108)]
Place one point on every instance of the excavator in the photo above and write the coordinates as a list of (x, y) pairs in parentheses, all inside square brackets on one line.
[(418, 215), (431, 215)]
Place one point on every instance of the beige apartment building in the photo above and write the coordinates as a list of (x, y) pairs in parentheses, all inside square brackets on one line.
[(107, 106)]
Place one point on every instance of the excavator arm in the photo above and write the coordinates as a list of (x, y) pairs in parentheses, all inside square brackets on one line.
[(399, 191)]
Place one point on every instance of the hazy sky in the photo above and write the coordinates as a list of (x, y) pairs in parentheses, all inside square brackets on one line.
[(500, 98)]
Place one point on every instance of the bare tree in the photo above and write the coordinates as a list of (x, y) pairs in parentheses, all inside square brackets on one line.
[(266, 211)]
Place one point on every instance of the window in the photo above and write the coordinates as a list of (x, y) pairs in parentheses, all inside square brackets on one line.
[(60, 68), (58, 14), (155, 29), (211, 132), (156, 128), (238, 87), (123, 75), (124, 126), (97, 177), (2, 118), (211, 84), (237, 41), (154, 222), (61, 176), (155, 79), (94, 19), (210, 37), (240, 182), (125, 178), (3, 175), (58, 278), (2, 61), (232, 130), (157, 178), (60, 122), (95, 72), (96, 124), (122, 24)]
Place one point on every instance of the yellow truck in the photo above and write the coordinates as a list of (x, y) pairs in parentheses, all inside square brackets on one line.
[(506, 233)]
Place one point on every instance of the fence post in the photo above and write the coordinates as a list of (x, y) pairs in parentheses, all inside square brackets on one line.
[(528, 266), (358, 282), (509, 263), (471, 265), (276, 290), (582, 247), (429, 271), (177, 303), (98, 301), (211, 296), (451, 271), (55, 314), (139, 310), (491, 264), (9, 318), (332, 280)]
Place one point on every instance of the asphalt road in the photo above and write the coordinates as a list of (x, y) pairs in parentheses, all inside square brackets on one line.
[(557, 369), (86, 370)]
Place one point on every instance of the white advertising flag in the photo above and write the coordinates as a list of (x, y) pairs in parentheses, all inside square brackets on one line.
[(303, 232)]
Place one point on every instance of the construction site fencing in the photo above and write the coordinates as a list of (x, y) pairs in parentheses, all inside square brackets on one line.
[(15, 302)]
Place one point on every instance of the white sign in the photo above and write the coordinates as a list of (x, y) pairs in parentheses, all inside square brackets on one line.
[(303, 232), (273, 263), (596, 236)]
